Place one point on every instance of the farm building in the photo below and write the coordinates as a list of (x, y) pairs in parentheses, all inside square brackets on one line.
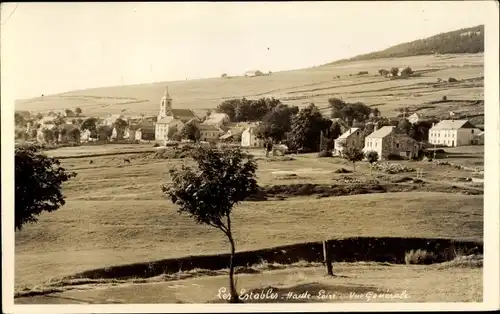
[(454, 133), (389, 140), (352, 138), (208, 132), (217, 119), (249, 138)]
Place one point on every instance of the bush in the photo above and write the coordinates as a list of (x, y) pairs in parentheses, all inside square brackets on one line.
[(342, 170), (445, 98), (452, 80), (325, 153), (419, 257), (156, 145), (362, 72)]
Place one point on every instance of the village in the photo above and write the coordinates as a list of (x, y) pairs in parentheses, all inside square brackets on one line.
[(390, 139)]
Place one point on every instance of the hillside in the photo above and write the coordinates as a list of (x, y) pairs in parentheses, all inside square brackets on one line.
[(314, 85), (465, 40)]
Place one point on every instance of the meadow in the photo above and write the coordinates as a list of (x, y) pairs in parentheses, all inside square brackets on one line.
[(299, 87), (116, 214)]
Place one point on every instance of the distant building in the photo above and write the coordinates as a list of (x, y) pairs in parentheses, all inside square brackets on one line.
[(353, 138), (208, 132), (217, 119), (249, 138), (414, 118), (85, 135), (389, 140), (454, 133)]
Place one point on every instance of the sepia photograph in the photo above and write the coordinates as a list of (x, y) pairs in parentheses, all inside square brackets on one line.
[(280, 155)]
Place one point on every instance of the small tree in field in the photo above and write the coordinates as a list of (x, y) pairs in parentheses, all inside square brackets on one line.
[(353, 155), (38, 181), (222, 179), (372, 157), (78, 111)]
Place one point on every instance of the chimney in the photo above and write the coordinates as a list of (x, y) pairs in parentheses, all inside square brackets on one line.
[(375, 128)]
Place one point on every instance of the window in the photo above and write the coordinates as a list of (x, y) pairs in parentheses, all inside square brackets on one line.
[(376, 143), (472, 131), (397, 145)]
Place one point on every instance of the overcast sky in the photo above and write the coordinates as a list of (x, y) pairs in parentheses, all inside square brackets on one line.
[(57, 47)]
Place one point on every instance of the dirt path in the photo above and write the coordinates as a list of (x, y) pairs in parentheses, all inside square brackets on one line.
[(354, 283)]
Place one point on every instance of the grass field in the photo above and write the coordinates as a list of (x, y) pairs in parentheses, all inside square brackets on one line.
[(115, 213), (354, 282), (297, 87)]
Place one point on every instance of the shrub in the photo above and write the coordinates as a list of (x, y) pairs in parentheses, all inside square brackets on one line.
[(452, 80), (156, 145), (325, 153), (445, 98), (342, 170), (419, 257), (394, 157), (362, 72)]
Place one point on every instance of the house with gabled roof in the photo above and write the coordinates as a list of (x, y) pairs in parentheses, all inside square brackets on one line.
[(454, 133), (389, 140), (352, 138)]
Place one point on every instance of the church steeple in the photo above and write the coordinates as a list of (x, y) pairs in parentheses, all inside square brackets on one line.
[(165, 105), (166, 95)]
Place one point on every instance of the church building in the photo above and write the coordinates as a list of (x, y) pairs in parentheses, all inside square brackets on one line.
[(171, 120)]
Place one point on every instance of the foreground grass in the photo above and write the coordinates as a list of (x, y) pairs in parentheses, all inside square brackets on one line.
[(354, 282), (91, 234)]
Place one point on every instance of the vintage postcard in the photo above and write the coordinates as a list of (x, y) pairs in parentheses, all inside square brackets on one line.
[(250, 156)]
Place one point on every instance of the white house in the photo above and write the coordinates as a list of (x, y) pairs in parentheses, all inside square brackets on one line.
[(166, 127), (454, 133), (352, 138), (249, 138)]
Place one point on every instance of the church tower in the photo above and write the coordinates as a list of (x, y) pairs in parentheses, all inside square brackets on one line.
[(165, 105)]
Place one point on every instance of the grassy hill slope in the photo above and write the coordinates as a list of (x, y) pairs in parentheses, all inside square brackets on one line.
[(465, 40), (312, 85)]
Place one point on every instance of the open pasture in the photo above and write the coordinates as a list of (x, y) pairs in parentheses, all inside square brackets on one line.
[(296, 87), (116, 214)]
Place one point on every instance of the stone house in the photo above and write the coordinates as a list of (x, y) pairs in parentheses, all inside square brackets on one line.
[(389, 140), (352, 138)]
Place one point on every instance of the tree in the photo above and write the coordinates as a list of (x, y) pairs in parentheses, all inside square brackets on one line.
[(69, 113), (223, 178), (89, 124), (190, 132), (38, 181), (104, 132), (276, 123), (405, 126), (78, 111), (354, 155), (48, 135), (38, 116), (383, 72), (224, 75), (74, 135), (394, 71), (336, 105), (406, 71), (19, 119), (306, 128), (120, 126), (372, 157)]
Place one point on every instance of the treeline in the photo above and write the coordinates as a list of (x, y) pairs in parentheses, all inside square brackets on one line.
[(240, 110), (466, 40)]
